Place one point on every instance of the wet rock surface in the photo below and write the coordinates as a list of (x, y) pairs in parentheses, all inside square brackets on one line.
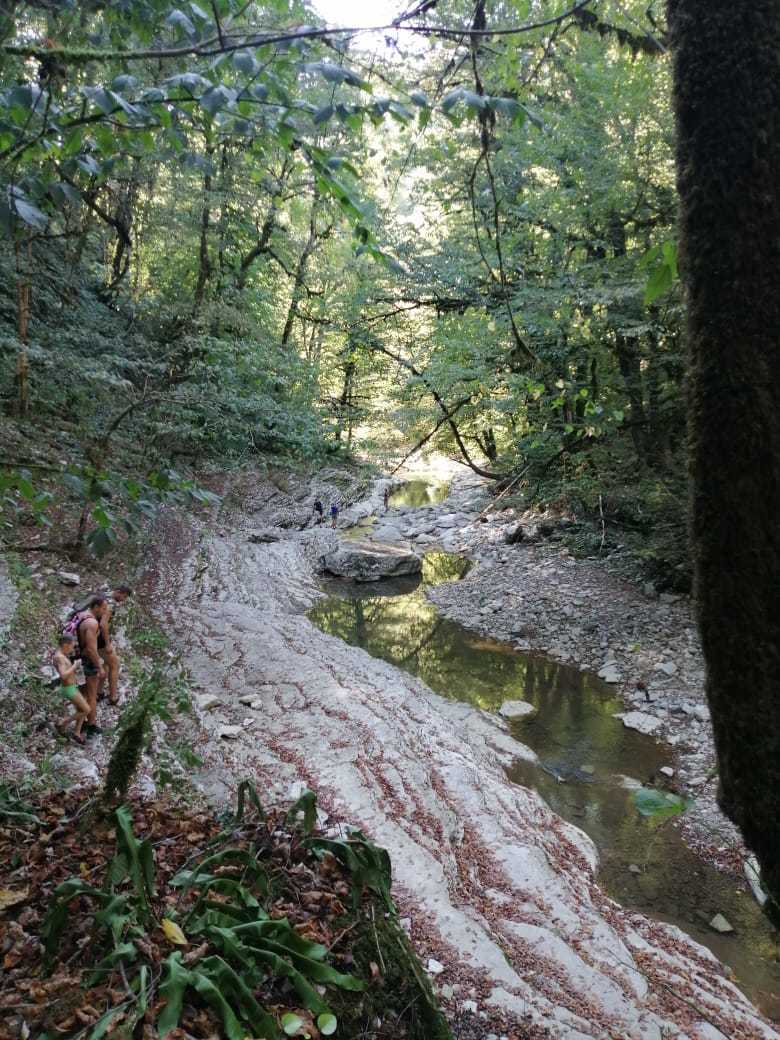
[(496, 888)]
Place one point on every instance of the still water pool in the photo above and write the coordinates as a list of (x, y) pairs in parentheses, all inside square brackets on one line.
[(585, 757)]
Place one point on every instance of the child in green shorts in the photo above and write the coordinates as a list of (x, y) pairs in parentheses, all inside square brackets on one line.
[(68, 688)]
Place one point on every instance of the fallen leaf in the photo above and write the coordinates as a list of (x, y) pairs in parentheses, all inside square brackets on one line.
[(173, 933), (10, 897)]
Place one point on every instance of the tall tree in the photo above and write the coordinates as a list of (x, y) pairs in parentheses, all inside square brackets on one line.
[(727, 100)]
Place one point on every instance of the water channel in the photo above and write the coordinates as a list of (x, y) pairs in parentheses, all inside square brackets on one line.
[(587, 760)]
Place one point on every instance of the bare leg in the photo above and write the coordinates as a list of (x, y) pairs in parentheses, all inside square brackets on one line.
[(91, 692), (82, 712), (111, 659)]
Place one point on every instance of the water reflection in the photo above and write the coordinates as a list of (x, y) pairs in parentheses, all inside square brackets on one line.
[(583, 751), (418, 493)]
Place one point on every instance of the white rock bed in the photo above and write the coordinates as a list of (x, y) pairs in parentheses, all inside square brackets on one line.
[(497, 889)]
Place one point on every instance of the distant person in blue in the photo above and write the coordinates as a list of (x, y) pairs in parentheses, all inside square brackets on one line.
[(334, 513)]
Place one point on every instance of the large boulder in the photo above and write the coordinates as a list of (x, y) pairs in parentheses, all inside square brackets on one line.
[(369, 562)]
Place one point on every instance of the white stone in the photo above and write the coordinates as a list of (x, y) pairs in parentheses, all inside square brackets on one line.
[(667, 667), (721, 924), (516, 709), (208, 701), (609, 673), (702, 713), (81, 770), (667, 771), (469, 1005), (753, 875), (229, 732), (640, 721), (434, 967), (68, 578), (363, 562)]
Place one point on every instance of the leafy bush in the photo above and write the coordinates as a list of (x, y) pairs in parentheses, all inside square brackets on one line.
[(240, 958)]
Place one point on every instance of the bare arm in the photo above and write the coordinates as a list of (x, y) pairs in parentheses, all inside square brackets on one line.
[(65, 669), (104, 628)]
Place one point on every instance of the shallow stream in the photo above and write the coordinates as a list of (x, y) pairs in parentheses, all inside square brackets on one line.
[(585, 757)]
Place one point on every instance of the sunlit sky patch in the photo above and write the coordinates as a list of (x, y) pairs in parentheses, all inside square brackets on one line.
[(359, 12)]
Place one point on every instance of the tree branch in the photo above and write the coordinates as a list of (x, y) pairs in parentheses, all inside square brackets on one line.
[(214, 45)]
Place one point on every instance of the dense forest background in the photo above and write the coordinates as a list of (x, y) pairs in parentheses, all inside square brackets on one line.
[(229, 233)]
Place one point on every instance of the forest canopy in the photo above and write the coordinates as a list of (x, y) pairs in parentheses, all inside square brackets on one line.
[(230, 229)]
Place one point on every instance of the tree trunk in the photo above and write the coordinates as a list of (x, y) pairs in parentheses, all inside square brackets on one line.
[(727, 100), (260, 247), (204, 257), (23, 290), (630, 370), (300, 272)]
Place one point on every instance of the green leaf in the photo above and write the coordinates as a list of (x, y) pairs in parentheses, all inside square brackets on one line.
[(139, 856), (659, 282), (104, 100), (216, 98), (337, 74), (291, 1024), (191, 81), (449, 101), (327, 1024), (172, 990), (652, 802), (101, 540), (247, 790), (124, 82), (30, 214), (179, 20), (322, 115), (245, 61), (307, 804), (213, 996), (670, 256)]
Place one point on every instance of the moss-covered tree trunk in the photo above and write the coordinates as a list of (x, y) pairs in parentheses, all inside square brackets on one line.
[(727, 100)]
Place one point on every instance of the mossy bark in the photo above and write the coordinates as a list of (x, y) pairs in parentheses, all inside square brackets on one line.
[(727, 101)]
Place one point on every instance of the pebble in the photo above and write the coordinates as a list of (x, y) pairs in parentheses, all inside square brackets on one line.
[(640, 721), (229, 732), (721, 924), (516, 709), (610, 673), (68, 578), (667, 667), (434, 967), (667, 771), (208, 701), (634, 868), (469, 1005)]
